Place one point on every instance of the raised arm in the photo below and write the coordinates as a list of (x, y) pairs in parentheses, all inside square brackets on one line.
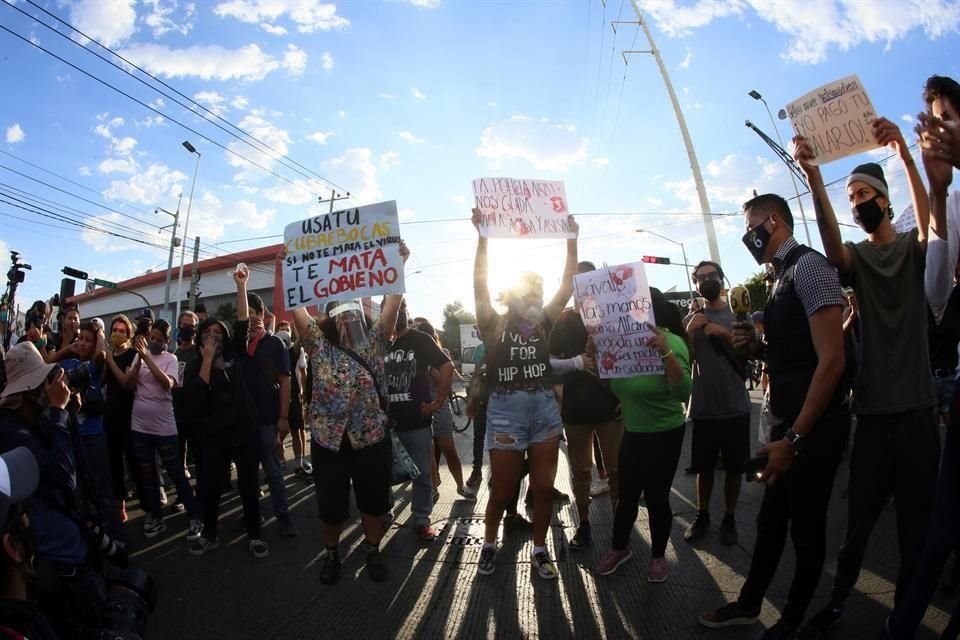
[(481, 290), (888, 134), (391, 305), (838, 255), (941, 256), (553, 309), (243, 311)]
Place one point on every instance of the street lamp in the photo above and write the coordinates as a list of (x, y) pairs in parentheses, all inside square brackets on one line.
[(183, 243), (803, 214), (174, 242), (683, 251)]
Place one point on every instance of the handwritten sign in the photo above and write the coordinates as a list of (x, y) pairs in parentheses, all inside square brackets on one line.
[(836, 119), (617, 311), (522, 208), (345, 254)]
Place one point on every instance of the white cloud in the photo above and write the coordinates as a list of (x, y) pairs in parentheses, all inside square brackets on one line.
[(117, 165), (153, 121), (416, 93), (124, 146), (326, 60), (160, 17), (157, 184), (268, 133), (15, 134), (275, 30), (356, 169), (295, 60), (85, 171), (110, 23), (239, 102), (731, 181), (387, 96), (600, 162), (424, 4), (341, 114), (212, 100), (389, 159), (491, 104), (158, 103), (34, 39), (248, 215), (405, 214), (546, 146), (307, 15), (65, 77), (212, 61), (320, 137), (687, 60), (907, 118), (407, 136), (814, 28), (286, 193)]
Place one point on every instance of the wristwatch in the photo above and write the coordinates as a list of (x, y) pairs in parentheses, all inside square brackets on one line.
[(795, 439)]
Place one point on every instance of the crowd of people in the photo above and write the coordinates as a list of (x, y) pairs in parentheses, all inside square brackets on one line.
[(96, 415)]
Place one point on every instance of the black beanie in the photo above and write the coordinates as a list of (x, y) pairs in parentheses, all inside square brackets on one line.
[(872, 174)]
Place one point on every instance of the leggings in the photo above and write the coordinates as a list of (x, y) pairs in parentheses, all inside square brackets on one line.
[(648, 462), (120, 450), (148, 446)]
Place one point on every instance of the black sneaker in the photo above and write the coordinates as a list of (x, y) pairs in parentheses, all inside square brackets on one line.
[(375, 567), (728, 530), (698, 528), (780, 631), (475, 479), (817, 626), (487, 562), (582, 538), (729, 615), (516, 523), (330, 571)]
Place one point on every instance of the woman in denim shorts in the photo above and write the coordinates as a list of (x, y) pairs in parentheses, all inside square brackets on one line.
[(523, 414)]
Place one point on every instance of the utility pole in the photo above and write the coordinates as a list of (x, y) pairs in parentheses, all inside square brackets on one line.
[(195, 274), (334, 198), (174, 242), (691, 154)]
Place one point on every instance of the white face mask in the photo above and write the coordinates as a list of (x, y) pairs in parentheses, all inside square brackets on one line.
[(286, 337)]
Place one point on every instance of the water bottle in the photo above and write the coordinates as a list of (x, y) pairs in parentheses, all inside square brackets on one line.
[(243, 271)]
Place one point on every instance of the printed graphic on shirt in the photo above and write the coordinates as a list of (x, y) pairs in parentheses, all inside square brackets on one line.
[(401, 368), (523, 358)]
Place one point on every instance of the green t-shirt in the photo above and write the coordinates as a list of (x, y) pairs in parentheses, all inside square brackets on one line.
[(648, 403)]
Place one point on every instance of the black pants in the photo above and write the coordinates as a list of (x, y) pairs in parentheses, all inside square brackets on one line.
[(119, 449), (216, 457), (479, 436), (647, 464), (892, 454), (799, 500), (943, 537)]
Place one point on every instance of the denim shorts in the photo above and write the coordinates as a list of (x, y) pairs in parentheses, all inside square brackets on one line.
[(518, 419)]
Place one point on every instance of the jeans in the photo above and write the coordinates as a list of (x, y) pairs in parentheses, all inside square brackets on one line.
[(419, 444), (273, 472), (898, 454), (798, 501), (580, 446), (216, 457), (168, 447), (943, 537), (648, 462)]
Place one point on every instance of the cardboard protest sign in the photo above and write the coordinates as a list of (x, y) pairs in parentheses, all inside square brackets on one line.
[(617, 310), (522, 208), (836, 119), (352, 253)]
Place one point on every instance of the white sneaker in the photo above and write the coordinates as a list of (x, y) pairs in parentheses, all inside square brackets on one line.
[(599, 487)]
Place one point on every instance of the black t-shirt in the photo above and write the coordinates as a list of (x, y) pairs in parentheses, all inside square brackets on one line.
[(119, 401), (185, 357), (517, 359), (407, 362), (262, 373), (220, 408), (585, 399)]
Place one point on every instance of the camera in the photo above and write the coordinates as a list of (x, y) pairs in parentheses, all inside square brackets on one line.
[(78, 378), (112, 549), (131, 597)]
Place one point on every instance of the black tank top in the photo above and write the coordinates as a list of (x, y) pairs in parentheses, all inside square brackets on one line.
[(518, 361)]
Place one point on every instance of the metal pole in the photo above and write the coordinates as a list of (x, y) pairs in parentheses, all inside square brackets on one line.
[(194, 274), (686, 265), (691, 154), (183, 243), (173, 245), (796, 190)]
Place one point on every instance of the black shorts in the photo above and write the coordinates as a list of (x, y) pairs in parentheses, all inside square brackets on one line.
[(369, 469), (729, 436)]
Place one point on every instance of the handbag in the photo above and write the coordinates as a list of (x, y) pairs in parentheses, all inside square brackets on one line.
[(404, 469)]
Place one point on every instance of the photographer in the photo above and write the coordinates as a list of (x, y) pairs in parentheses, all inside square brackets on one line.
[(64, 344)]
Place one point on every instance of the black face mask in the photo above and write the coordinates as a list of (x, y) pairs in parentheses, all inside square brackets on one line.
[(186, 333), (710, 289), (756, 241), (869, 215)]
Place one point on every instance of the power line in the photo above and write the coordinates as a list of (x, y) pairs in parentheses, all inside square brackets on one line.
[(279, 156)]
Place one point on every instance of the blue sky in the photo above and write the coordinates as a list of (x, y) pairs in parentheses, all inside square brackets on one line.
[(412, 100)]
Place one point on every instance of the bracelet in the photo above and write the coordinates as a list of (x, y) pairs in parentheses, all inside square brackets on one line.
[(666, 355)]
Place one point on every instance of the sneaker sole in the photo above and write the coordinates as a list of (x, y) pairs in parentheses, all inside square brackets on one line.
[(616, 566), (548, 576), (191, 537), (657, 580), (153, 534), (486, 572), (200, 552), (732, 622)]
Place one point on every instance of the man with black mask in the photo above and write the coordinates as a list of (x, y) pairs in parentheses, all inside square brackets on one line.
[(187, 353), (896, 447), (719, 405)]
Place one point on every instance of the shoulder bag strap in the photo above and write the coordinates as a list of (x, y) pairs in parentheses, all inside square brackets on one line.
[(363, 363)]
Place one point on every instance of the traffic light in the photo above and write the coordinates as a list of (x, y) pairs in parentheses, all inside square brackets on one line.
[(74, 273), (656, 260)]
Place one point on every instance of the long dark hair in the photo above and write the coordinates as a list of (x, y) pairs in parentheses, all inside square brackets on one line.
[(227, 345), (667, 314)]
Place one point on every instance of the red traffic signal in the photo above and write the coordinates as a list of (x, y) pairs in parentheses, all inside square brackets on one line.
[(656, 260)]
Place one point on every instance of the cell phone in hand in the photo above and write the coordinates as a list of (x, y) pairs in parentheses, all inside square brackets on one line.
[(753, 468)]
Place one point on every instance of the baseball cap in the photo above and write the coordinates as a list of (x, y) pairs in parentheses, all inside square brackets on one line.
[(19, 477), (25, 367), (145, 313)]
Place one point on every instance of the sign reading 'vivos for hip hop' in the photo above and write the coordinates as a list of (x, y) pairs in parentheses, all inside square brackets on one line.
[(836, 119), (345, 254)]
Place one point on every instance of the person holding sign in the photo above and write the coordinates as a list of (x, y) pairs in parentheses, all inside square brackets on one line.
[(522, 413), (897, 447), (348, 421), (654, 421)]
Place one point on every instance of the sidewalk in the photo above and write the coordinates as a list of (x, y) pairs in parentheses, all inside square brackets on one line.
[(435, 592)]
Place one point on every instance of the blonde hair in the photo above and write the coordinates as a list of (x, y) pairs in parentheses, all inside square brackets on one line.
[(527, 282), (125, 320)]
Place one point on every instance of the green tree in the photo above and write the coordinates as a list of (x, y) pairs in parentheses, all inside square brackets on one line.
[(757, 286), (453, 316), (226, 313)]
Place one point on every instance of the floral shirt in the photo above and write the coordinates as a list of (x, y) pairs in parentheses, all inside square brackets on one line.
[(344, 397)]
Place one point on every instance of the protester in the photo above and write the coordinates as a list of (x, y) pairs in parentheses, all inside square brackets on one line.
[(522, 413), (477, 410), (590, 412), (804, 352), (896, 446), (348, 422), (654, 422), (216, 397), (62, 345), (152, 376), (719, 405), (298, 374), (118, 407), (186, 353)]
